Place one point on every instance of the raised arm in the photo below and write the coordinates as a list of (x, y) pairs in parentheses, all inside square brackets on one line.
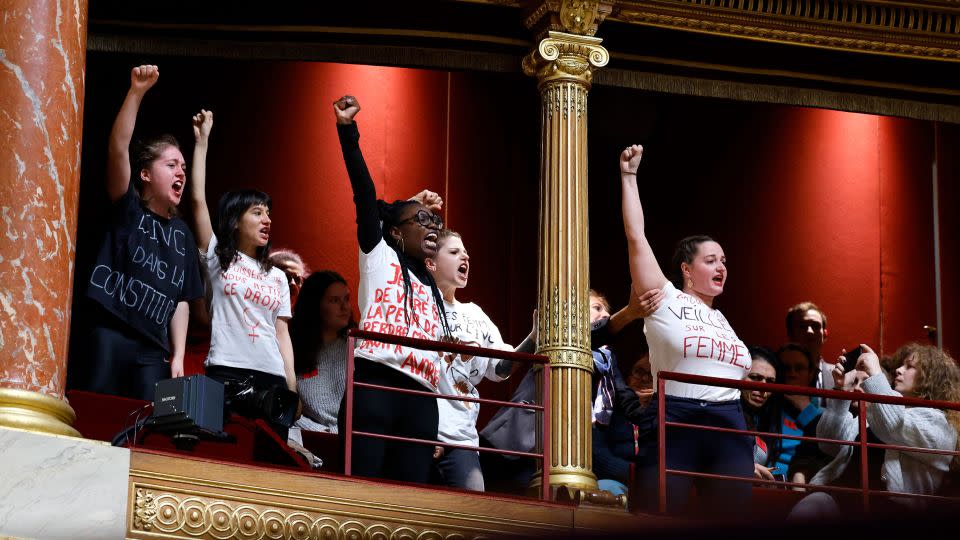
[(364, 192), (644, 270), (142, 78), (202, 124)]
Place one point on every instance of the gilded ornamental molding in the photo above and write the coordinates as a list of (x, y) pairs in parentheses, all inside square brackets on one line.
[(190, 515), (929, 30), (571, 16)]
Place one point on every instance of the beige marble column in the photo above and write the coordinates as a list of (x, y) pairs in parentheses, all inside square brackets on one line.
[(42, 60), (563, 64)]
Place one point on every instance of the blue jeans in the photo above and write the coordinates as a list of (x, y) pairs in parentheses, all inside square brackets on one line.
[(461, 469)]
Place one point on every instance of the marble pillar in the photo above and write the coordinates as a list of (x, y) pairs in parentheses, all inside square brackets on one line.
[(42, 61)]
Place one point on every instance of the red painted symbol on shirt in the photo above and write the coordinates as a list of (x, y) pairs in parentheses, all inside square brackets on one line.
[(253, 326), (790, 424)]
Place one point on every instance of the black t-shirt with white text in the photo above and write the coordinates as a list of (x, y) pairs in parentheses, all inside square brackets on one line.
[(146, 265)]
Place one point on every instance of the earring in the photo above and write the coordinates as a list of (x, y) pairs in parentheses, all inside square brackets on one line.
[(402, 248), (689, 283)]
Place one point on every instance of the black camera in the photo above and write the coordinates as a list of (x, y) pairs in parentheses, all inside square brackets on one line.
[(275, 404)]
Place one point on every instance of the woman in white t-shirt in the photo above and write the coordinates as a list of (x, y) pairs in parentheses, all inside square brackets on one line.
[(250, 304), (450, 267), (687, 335), (397, 295)]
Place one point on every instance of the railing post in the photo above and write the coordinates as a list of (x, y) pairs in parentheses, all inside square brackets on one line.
[(662, 445), (545, 414), (348, 414), (864, 469)]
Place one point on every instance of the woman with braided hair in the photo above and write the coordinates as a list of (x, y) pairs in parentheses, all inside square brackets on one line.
[(397, 295)]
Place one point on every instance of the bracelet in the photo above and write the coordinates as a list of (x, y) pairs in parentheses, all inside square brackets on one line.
[(628, 172)]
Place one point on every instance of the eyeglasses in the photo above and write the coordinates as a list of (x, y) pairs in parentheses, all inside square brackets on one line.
[(294, 279), (425, 219), (756, 377)]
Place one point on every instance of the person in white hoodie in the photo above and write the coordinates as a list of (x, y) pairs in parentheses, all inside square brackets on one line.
[(925, 372)]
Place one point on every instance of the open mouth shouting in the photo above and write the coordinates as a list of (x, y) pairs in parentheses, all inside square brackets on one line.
[(265, 234), (463, 271), (718, 280), (430, 241), (177, 188)]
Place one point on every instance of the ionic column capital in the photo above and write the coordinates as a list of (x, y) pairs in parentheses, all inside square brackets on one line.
[(565, 58)]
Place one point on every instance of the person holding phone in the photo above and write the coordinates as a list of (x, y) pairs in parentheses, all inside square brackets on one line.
[(925, 372)]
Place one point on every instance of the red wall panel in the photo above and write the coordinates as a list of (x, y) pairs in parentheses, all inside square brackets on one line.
[(907, 289), (948, 165)]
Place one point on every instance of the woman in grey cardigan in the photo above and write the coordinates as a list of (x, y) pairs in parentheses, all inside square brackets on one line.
[(925, 372)]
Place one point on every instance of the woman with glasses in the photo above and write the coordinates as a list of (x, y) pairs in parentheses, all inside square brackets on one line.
[(687, 335), (759, 409), (292, 265), (397, 295)]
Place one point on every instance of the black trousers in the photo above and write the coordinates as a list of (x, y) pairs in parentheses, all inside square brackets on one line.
[(261, 381), (698, 451), (377, 411), (118, 361)]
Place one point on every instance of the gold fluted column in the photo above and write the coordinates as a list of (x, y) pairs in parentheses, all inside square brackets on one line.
[(563, 64), (42, 61)]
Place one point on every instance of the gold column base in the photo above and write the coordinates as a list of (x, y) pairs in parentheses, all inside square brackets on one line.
[(36, 412), (573, 478)]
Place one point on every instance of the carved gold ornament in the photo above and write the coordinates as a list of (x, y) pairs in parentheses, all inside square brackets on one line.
[(577, 16), (201, 517)]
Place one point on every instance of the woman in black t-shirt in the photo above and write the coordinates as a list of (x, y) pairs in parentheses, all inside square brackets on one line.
[(146, 270)]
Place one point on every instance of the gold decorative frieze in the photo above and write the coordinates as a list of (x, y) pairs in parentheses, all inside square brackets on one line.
[(201, 516), (929, 30), (571, 16)]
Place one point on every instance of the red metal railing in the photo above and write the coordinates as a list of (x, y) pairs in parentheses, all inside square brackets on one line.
[(862, 397), (440, 346)]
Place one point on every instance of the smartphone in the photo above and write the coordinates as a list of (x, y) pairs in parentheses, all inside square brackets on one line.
[(850, 359)]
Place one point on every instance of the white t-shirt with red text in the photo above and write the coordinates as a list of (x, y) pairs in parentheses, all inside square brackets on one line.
[(385, 308), (244, 309), (469, 324), (687, 336)]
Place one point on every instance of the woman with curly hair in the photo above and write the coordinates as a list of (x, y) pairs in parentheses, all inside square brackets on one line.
[(925, 372)]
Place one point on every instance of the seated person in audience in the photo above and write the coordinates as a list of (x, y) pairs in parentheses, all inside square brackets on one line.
[(293, 267), (318, 331), (925, 373), (760, 411), (614, 402), (614, 436), (799, 414), (515, 429), (469, 325)]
